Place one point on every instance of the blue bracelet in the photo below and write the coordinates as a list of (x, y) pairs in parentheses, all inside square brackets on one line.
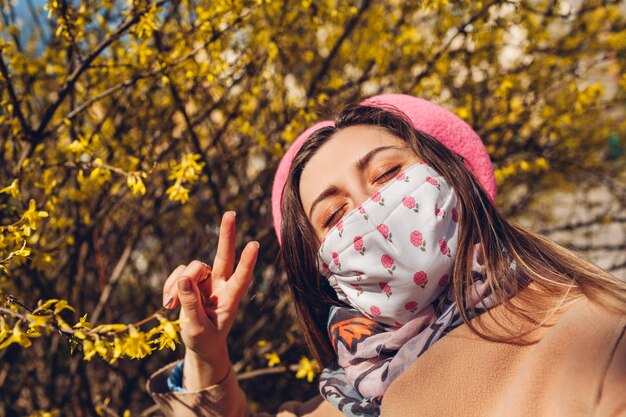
[(175, 378)]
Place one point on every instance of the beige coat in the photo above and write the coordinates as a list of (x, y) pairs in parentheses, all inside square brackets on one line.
[(576, 366)]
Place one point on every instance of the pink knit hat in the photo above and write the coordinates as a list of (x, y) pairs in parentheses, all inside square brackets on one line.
[(427, 117)]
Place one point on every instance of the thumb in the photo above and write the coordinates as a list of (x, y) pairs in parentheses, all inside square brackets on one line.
[(189, 296)]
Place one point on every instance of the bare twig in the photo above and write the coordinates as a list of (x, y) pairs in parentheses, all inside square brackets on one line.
[(616, 267), (266, 371), (579, 225), (114, 278)]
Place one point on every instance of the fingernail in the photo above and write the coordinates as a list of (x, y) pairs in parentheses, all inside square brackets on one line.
[(258, 245), (184, 284), (207, 272), (168, 302), (234, 213)]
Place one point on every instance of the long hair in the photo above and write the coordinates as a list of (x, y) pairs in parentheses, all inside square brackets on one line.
[(514, 257)]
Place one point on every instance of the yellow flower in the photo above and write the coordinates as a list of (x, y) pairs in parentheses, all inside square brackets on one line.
[(272, 359), (32, 216), (23, 251), (39, 321), (118, 349), (89, 349), (188, 169), (178, 193), (306, 369), (169, 333), (103, 348), (12, 189), (4, 329), (17, 336), (83, 323), (135, 182), (135, 345), (62, 305), (541, 163)]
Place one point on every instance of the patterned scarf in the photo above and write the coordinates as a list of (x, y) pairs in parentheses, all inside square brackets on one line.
[(370, 355)]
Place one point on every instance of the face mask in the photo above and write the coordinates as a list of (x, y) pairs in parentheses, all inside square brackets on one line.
[(392, 256)]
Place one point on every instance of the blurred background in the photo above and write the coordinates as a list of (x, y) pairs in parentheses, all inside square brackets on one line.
[(135, 124)]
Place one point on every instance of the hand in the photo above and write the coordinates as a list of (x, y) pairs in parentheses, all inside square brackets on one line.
[(206, 329)]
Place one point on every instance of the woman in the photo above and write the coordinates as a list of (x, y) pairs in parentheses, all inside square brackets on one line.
[(512, 324)]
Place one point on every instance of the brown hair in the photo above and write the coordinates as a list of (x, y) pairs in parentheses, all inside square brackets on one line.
[(556, 271)]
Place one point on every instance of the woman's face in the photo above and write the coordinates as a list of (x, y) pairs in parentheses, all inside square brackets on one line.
[(351, 166)]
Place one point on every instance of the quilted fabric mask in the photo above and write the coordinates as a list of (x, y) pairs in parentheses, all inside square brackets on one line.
[(391, 257)]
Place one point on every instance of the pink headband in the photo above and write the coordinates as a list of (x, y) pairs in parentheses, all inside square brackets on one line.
[(427, 117)]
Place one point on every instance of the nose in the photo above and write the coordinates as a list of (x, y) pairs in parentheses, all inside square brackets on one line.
[(360, 191)]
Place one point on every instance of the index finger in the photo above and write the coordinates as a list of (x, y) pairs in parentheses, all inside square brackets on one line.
[(198, 271), (224, 262)]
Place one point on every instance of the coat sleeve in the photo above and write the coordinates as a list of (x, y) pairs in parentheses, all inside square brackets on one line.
[(225, 399), (612, 396)]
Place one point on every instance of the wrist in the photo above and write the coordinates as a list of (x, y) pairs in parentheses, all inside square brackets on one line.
[(200, 373)]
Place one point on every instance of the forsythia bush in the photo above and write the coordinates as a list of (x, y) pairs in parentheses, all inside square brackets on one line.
[(127, 127)]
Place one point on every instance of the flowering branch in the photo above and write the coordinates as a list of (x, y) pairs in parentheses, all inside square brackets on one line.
[(109, 341)]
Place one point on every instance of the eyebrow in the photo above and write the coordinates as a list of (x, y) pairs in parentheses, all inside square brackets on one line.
[(360, 165)]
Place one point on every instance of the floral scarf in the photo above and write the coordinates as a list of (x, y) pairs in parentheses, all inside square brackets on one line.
[(370, 355)]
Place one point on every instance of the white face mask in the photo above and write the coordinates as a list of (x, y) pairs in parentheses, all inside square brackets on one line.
[(391, 257)]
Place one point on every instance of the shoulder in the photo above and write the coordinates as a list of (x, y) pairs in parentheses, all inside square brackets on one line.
[(575, 366)]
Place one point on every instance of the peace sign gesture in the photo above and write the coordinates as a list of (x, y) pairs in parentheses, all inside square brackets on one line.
[(209, 300)]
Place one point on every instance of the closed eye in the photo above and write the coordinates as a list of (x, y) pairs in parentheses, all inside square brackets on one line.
[(388, 174), (330, 219)]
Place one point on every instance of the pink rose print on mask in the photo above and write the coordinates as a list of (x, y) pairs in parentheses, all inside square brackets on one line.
[(340, 227), (433, 181), (363, 212), (443, 281), (386, 288), (420, 279), (418, 240), (358, 245), (336, 260), (455, 215), (409, 202), (358, 288), (402, 177), (439, 212), (443, 247), (377, 198), (411, 306), (384, 230), (388, 263), (375, 311)]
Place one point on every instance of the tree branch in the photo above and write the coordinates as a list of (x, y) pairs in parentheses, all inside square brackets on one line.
[(17, 110), (73, 78), (460, 30), (347, 31)]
